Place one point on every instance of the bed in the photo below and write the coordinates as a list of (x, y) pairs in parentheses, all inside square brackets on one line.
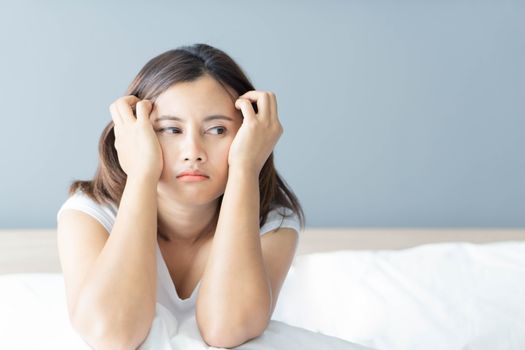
[(384, 289)]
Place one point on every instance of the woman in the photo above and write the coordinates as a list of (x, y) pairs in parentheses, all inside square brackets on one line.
[(186, 208)]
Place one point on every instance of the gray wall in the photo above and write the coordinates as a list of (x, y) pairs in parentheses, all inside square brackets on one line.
[(396, 113)]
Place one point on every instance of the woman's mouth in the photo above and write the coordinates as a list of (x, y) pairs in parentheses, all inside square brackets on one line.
[(192, 178)]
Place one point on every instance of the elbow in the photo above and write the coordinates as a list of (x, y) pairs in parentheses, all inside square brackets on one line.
[(103, 335), (234, 328), (110, 329), (233, 335), (227, 339), (120, 342), (113, 343), (109, 339)]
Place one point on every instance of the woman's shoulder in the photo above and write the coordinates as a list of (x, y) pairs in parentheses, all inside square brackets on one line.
[(279, 217), (104, 213)]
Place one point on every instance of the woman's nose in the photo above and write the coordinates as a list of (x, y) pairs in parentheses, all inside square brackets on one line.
[(193, 148)]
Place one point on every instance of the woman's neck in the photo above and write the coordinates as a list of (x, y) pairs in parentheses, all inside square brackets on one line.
[(186, 226)]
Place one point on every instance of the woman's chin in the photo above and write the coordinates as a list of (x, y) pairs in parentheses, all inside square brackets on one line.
[(195, 198)]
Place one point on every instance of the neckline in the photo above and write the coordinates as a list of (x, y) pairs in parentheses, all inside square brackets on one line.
[(168, 281)]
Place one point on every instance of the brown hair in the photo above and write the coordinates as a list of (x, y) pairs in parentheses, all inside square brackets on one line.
[(184, 64)]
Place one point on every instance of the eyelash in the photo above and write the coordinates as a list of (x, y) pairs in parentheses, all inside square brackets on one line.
[(215, 127)]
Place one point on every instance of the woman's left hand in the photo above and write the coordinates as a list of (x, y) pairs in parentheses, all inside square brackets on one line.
[(259, 132)]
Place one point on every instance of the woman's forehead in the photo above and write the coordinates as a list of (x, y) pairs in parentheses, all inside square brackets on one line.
[(204, 91), (202, 96)]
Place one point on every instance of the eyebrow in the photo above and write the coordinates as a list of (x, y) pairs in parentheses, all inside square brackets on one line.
[(208, 118)]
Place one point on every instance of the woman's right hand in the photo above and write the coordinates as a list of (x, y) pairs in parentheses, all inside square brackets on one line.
[(137, 145)]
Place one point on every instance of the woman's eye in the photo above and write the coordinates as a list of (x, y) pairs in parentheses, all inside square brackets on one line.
[(175, 130), (223, 129)]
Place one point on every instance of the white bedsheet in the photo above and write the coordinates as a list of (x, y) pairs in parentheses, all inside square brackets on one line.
[(451, 296), (446, 296)]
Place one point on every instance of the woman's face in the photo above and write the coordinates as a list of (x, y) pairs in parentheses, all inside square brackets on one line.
[(190, 141)]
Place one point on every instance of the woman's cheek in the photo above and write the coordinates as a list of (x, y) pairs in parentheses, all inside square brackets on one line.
[(165, 163)]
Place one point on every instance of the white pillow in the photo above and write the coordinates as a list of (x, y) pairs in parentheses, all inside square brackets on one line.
[(435, 296)]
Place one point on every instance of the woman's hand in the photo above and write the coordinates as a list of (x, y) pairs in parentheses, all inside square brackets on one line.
[(258, 134), (138, 148)]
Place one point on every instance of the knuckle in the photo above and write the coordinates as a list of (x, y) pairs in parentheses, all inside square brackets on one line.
[(119, 104), (144, 105)]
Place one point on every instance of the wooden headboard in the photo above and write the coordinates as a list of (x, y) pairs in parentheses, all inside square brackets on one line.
[(36, 250)]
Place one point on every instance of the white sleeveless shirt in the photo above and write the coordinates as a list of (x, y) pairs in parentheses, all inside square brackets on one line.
[(166, 291)]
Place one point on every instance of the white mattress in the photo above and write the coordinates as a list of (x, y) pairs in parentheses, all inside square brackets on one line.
[(435, 296)]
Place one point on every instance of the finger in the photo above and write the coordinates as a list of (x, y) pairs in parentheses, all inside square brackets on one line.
[(246, 108), (262, 99), (115, 115), (124, 105), (273, 105), (143, 110), (117, 121)]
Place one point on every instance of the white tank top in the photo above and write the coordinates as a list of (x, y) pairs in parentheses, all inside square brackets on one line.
[(166, 291)]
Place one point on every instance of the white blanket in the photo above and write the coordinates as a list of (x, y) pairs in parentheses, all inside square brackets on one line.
[(452, 296), (278, 335)]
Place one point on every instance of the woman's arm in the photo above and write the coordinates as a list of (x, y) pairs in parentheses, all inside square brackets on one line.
[(234, 299), (116, 303)]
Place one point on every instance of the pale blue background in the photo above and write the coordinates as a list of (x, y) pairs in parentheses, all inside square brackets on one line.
[(396, 113)]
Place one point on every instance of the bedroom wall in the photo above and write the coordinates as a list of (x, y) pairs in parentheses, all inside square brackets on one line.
[(396, 114)]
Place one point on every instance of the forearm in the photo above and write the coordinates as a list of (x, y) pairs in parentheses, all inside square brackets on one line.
[(234, 287), (119, 292)]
